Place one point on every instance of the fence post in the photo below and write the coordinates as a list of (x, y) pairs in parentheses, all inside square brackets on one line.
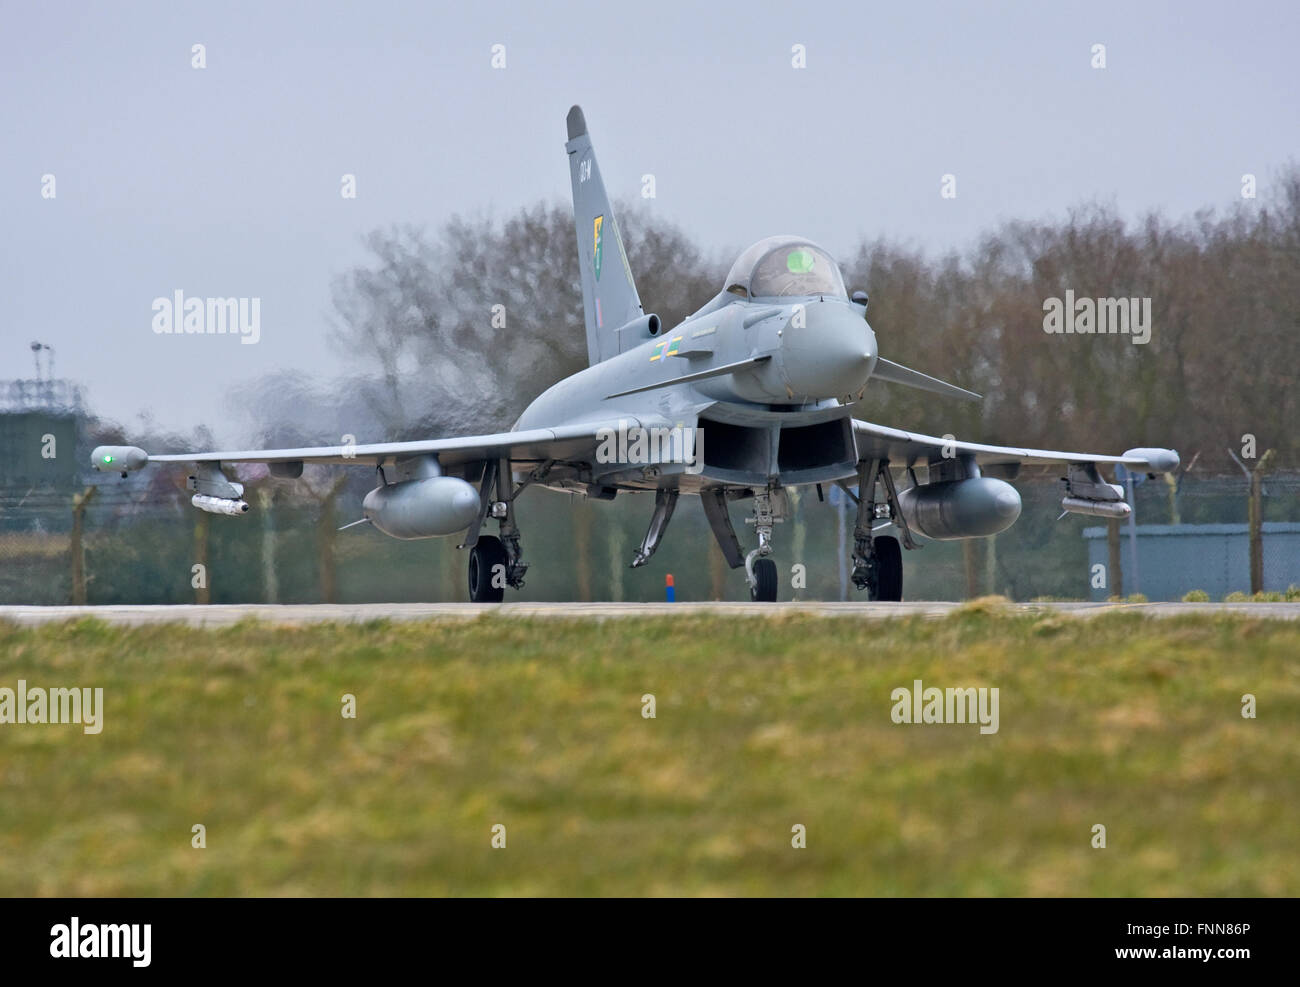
[(1114, 567), (970, 567), (270, 582), (1255, 517), (1256, 521), (581, 519), (991, 566), (202, 592), (78, 558), (326, 533)]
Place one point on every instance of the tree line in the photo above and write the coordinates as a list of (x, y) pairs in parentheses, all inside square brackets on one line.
[(455, 330)]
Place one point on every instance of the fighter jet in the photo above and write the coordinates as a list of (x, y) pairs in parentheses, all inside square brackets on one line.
[(750, 396)]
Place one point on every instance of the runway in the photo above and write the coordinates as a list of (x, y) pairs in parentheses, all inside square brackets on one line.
[(221, 615)]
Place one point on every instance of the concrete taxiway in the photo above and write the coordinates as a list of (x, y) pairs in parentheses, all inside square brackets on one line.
[(219, 615)]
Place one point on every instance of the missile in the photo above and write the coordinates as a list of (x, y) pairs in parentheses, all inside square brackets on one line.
[(219, 505), (1096, 508)]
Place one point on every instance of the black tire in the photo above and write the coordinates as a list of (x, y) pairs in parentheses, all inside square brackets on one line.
[(765, 590), (484, 558), (888, 585)]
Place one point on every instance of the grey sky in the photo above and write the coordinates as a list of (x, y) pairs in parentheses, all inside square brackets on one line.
[(225, 181)]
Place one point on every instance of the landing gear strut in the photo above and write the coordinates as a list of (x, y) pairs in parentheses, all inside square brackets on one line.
[(770, 509)]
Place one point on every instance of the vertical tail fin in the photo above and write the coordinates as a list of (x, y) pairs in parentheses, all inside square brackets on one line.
[(609, 297)]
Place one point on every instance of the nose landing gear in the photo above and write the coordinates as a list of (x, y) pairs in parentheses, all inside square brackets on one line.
[(770, 509)]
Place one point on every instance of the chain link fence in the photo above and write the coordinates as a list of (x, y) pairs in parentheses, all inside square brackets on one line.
[(139, 541)]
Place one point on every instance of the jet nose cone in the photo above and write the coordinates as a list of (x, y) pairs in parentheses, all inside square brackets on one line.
[(831, 354)]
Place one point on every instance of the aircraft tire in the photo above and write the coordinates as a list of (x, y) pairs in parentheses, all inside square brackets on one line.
[(765, 573), (888, 584), (484, 558)]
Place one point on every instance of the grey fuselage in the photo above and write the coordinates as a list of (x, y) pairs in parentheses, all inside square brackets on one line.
[(815, 355)]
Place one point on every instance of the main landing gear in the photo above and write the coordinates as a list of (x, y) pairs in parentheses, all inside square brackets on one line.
[(497, 562), (877, 561)]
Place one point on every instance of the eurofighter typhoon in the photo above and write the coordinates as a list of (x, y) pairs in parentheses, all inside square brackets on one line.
[(751, 395)]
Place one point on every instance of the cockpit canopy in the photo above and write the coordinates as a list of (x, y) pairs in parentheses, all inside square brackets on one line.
[(781, 266)]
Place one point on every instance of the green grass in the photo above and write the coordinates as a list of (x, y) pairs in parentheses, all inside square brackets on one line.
[(762, 724)]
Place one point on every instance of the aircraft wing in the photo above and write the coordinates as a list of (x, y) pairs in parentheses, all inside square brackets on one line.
[(901, 447), (561, 443)]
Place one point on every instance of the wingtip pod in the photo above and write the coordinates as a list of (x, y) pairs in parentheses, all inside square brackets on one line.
[(118, 458), (576, 121), (1159, 460)]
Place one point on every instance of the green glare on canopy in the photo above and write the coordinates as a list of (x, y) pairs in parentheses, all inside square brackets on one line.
[(799, 261), (108, 459)]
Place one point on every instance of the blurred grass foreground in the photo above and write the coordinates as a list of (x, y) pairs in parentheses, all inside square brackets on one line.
[(536, 734)]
